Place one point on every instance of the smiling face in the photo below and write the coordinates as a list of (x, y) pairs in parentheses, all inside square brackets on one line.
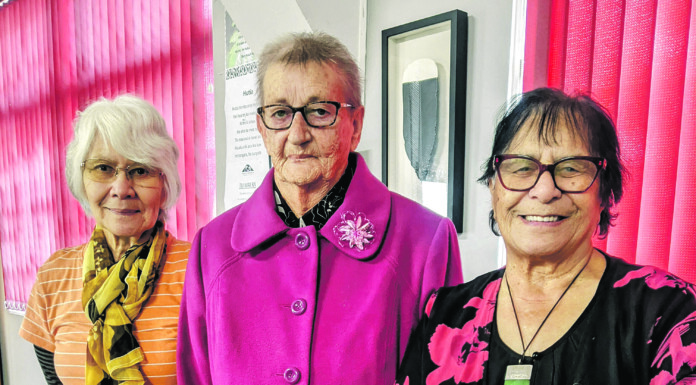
[(544, 222), (306, 157), (123, 210)]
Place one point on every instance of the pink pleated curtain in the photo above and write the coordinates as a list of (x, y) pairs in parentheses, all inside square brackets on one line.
[(58, 56), (638, 58)]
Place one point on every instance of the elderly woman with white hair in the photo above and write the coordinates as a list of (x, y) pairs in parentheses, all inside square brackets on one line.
[(106, 312)]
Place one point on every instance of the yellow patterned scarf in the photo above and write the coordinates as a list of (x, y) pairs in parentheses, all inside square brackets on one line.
[(112, 296)]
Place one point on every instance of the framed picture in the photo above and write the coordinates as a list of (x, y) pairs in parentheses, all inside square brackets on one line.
[(424, 110)]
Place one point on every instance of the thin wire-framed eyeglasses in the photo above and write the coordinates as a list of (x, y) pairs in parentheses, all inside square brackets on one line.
[(104, 171), (316, 114), (570, 175)]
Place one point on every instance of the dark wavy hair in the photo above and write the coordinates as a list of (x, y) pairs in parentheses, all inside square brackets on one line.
[(544, 109)]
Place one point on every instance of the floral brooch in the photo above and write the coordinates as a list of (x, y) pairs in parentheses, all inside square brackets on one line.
[(354, 230)]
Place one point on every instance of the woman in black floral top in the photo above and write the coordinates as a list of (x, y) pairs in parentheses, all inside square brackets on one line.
[(561, 311)]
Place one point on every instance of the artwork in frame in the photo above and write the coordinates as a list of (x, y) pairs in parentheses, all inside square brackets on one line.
[(424, 69)]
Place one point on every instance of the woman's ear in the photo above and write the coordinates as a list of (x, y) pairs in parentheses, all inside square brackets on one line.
[(357, 117)]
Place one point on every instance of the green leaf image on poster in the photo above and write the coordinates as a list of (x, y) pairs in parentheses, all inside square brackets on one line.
[(237, 50)]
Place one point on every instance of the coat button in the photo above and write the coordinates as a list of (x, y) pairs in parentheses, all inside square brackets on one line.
[(292, 375), (302, 241), (299, 306)]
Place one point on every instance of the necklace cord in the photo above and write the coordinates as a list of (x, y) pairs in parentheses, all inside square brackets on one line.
[(519, 329)]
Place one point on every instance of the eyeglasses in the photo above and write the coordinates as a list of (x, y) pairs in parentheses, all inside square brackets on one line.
[(316, 114), (104, 171), (570, 175)]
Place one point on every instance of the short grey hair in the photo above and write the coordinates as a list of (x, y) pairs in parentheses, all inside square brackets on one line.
[(317, 47), (134, 129)]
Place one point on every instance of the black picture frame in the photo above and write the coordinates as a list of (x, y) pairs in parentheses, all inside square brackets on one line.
[(442, 40)]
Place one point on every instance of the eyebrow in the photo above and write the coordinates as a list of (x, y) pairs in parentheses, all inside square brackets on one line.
[(114, 162), (311, 99), (555, 158)]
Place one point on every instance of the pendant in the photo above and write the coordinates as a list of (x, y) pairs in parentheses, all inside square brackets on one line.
[(518, 374)]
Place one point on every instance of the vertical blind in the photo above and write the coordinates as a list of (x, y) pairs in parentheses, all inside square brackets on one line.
[(637, 58), (56, 57)]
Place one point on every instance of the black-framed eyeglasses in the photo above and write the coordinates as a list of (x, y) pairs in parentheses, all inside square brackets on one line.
[(574, 174), (316, 114), (104, 171)]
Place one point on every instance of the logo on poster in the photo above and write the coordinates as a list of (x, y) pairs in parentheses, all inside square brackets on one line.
[(247, 170)]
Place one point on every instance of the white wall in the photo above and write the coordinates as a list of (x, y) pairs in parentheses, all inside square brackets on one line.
[(487, 82)]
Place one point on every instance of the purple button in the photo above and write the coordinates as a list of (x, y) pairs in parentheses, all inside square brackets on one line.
[(299, 306), (302, 241), (292, 375)]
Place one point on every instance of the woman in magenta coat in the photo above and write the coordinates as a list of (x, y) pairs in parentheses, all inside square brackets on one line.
[(322, 274)]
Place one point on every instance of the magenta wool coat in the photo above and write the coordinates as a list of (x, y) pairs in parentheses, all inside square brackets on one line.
[(268, 304)]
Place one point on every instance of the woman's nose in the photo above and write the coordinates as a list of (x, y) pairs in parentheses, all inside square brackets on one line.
[(299, 130), (545, 188), (122, 186)]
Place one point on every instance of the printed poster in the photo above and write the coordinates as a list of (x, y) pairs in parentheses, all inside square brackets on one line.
[(247, 161)]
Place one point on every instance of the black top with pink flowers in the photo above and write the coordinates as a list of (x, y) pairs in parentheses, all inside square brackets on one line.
[(640, 328)]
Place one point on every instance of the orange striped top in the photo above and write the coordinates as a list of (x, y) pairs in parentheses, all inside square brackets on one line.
[(55, 320)]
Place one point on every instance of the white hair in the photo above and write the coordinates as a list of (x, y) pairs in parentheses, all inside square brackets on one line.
[(134, 129)]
